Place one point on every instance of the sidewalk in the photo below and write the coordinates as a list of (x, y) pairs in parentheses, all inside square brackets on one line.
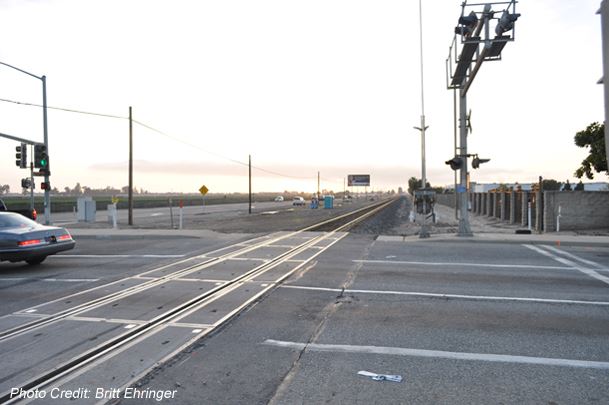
[(487, 230)]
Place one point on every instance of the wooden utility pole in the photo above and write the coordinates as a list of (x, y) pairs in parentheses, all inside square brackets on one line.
[(250, 183), (130, 167)]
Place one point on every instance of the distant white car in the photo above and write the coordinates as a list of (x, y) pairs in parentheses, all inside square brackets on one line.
[(298, 201), (278, 198)]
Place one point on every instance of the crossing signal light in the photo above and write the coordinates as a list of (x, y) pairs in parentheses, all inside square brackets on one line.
[(41, 159), (455, 163), (506, 22), (476, 161), (21, 156), (467, 24), (45, 186)]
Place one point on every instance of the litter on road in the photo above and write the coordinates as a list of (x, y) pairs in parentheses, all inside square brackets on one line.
[(381, 377)]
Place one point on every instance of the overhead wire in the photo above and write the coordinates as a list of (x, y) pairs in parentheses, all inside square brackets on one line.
[(177, 139)]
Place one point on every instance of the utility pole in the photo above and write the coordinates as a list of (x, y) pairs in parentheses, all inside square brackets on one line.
[(130, 167), (250, 182), (318, 193)]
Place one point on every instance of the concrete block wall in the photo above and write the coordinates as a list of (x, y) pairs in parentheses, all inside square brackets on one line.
[(579, 210)]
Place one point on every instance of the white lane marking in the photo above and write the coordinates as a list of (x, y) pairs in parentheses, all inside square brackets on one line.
[(270, 212), (572, 256), (588, 272), (399, 351), (130, 322), (156, 214), (63, 223), (130, 326), (51, 280), (115, 256), (453, 296), (507, 266)]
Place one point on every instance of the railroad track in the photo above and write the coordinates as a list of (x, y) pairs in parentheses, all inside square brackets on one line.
[(61, 372)]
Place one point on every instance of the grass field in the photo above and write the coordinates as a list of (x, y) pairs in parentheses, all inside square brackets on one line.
[(63, 203)]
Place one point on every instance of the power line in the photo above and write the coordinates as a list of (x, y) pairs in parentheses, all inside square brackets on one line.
[(160, 133)]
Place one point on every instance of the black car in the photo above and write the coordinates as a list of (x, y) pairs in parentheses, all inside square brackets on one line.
[(23, 239)]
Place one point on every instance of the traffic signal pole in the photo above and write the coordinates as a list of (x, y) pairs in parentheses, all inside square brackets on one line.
[(47, 191)]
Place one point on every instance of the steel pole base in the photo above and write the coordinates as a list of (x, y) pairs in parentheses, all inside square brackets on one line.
[(424, 232), (464, 228)]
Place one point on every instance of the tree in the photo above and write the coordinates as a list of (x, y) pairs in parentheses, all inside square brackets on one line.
[(579, 186), (415, 184), (550, 185), (77, 189), (592, 137), (567, 186), (5, 189)]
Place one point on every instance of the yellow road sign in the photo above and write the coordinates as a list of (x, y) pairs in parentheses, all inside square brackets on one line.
[(203, 190)]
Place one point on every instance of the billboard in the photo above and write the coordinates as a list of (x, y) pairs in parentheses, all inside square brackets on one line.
[(358, 180)]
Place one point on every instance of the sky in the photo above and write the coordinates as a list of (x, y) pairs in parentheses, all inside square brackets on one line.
[(303, 87)]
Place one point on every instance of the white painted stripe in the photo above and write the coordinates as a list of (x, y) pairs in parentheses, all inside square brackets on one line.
[(572, 256), (454, 296), (115, 256), (438, 354), (65, 280), (507, 266), (588, 272)]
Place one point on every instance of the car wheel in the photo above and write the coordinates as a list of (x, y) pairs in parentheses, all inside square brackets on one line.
[(35, 260)]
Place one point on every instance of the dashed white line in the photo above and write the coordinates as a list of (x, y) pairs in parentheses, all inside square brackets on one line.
[(398, 351)]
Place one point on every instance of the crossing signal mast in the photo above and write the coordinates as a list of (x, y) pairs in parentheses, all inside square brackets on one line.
[(476, 43)]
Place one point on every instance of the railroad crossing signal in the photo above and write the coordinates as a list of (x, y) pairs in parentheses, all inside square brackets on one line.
[(21, 156), (41, 159), (455, 163), (476, 161)]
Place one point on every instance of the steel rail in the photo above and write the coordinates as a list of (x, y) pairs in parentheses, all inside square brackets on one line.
[(203, 299)]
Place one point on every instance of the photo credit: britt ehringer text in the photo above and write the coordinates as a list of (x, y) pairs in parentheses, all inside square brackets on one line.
[(93, 393)]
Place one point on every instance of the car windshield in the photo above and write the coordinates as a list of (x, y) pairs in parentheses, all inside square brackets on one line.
[(10, 220)]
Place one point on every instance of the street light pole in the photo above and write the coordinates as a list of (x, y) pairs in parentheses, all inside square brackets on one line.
[(424, 232), (47, 191)]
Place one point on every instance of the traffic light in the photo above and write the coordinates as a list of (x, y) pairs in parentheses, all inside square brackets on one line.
[(467, 24), (41, 159), (21, 156), (506, 22), (455, 163), (476, 161), (45, 186), (26, 183)]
